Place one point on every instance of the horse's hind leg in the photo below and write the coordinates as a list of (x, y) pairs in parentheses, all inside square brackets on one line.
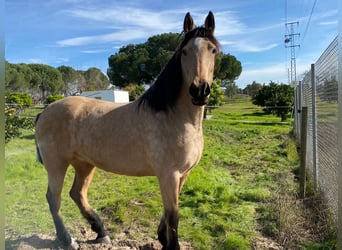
[(53, 196), (83, 175)]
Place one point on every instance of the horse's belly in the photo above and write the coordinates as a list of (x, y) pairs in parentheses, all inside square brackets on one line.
[(124, 164), (128, 169)]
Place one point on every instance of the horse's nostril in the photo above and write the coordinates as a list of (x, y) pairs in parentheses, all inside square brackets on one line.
[(206, 89), (194, 91), (201, 91)]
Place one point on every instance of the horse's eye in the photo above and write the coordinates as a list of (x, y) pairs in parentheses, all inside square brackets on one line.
[(184, 52), (214, 51)]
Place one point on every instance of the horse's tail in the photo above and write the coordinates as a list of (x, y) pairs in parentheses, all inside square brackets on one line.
[(38, 151)]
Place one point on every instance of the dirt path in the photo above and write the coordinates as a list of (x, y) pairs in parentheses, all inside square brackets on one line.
[(122, 241)]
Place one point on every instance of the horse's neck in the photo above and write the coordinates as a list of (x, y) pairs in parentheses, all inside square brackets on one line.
[(190, 114)]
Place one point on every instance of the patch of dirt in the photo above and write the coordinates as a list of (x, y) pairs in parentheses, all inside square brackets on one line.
[(85, 239), (263, 243)]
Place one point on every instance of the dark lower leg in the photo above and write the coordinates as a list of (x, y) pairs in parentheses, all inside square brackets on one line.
[(95, 223), (61, 231), (162, 235), (172, 230)]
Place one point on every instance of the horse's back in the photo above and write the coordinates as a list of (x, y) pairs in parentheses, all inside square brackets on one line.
[(58, 125)]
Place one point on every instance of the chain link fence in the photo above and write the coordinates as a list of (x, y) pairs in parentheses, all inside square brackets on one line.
[(318, 91)]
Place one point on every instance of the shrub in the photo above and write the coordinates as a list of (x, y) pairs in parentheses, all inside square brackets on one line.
[(216, 94), (13, 123), (276, 99), (52, 98), (18, 100), (15, 104), (134, 91)]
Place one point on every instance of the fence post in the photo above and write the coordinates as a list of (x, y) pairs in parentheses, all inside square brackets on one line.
[(302, 172), (314, 128)]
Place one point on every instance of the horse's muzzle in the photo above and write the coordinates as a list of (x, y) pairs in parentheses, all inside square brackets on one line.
[(200, 94)]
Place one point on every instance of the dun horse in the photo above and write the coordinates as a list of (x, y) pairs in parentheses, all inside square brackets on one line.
[(159, 135)]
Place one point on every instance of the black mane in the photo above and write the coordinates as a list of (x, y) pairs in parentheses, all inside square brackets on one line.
[(164, 92)]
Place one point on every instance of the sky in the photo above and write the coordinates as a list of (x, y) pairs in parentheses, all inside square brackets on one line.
[(84, 33)]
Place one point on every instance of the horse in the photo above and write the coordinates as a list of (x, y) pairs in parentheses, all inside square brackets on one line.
[(159, 134)]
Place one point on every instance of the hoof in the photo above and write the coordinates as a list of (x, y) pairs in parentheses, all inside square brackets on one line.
[(73, 245), (105, 240)]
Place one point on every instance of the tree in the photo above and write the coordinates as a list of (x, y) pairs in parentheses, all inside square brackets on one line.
[(231, 89), (69, 77), (160, 49), (47, 79), (18, 77), (143, 62), (227, 68), (252, 89), (275, 99), (95, 79), (127, 66)]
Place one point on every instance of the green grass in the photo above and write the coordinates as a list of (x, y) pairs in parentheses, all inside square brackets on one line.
[(225, 204)]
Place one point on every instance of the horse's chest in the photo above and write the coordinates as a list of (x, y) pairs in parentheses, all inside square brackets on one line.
[(181, 150), (191, 146)]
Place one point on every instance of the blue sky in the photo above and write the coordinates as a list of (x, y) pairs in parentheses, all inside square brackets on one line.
[(84, 33)]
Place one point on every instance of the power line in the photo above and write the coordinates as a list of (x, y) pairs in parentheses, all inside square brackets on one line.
[(308, 23)]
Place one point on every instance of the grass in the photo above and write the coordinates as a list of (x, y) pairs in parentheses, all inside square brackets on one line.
[(228, 201)]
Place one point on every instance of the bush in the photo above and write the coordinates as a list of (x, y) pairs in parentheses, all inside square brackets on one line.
[(13, 123), (276, 99), (15, 104), (216, 93), (17, 100), (52, 98), (134, 91)]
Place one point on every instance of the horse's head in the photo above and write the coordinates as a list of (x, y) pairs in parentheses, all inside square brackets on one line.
[(191, 67), (197, 52)]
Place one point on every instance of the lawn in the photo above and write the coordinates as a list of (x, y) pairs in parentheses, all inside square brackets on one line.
[(228, 201)]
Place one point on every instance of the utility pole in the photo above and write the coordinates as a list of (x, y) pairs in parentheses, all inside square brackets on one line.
[(290, 43)]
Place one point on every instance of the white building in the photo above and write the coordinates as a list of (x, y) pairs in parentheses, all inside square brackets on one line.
[(118, 96)]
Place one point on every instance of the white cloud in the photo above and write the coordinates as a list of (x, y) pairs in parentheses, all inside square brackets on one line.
[(62, 60), (227, 24), (125, 17), (247, 46), (335, 22), (35, 60), (127, 24), (130, 24), (120, 36), (93, 51)]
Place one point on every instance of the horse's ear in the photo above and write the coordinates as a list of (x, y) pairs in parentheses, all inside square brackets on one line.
[(189, 24), (210, 23)]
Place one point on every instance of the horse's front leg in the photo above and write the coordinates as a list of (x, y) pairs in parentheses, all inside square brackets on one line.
[(168, 227)]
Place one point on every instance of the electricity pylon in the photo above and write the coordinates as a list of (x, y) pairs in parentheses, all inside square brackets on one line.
[(290, 43)]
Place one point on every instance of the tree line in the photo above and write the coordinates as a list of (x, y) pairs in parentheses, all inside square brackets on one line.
[(40, 80)]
